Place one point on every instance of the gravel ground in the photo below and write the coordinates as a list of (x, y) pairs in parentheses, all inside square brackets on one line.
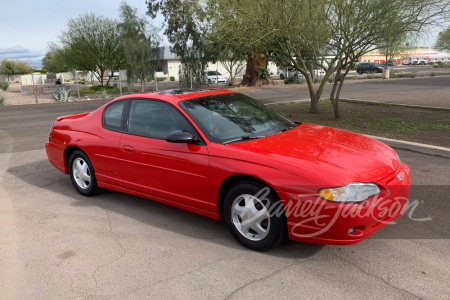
[(13, 96)]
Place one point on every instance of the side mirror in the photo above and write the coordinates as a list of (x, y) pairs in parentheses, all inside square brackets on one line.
[(181, 136)]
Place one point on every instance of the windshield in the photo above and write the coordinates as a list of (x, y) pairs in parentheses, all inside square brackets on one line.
[(234, 117), (213, 73)]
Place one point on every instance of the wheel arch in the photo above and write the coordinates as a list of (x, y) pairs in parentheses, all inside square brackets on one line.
[(67, 152), (234, 179)]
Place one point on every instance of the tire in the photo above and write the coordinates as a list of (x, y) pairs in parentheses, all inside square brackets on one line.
[(295, 75), (82, 174), (281, 76), (209, 81), (255, 216), (359, 72)]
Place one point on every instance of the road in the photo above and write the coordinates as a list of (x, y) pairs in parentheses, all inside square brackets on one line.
[(425, 91), (56, 244)]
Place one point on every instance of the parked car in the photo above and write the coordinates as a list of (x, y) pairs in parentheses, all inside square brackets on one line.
[(368, 67), (214, 77), (391, 63), (291, 72), (221, 154), (296, 74)]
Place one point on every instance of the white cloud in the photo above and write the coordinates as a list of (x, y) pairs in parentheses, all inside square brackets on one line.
[(21, 53)]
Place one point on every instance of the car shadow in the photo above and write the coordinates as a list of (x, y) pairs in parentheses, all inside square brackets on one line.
[(148, 212)]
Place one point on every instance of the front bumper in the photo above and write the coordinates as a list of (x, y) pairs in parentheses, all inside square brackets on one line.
[(311, 219)]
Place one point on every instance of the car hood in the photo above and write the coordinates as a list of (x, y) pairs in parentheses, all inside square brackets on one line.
[(344, 156)]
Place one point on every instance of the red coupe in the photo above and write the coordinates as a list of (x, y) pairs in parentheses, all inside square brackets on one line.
[(222, 154)]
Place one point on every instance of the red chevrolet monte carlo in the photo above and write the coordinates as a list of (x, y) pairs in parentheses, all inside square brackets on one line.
[(222, 154)]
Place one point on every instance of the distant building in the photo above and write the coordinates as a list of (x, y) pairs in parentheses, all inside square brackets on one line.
[(380, 56)]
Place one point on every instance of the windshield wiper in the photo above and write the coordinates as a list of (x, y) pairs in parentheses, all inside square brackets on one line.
[(244, 138)]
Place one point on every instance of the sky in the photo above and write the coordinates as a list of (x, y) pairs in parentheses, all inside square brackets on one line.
[(27, 26)]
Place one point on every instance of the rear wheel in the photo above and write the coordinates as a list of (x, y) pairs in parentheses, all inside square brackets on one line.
[(255, 216), (82, 174), (359, 72), (295, 75), (281, 76)]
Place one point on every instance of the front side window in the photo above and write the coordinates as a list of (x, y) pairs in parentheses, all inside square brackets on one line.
[(113, 116), (156, 119), (229, 117)]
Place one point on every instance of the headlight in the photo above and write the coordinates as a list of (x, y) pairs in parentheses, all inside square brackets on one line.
[(399, 160), (352, 192)]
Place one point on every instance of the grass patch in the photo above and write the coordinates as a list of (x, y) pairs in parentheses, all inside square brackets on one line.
[(2, 101), (387, 120)]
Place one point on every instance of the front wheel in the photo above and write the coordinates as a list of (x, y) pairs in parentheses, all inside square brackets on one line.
[(82, 174), (255, 216)]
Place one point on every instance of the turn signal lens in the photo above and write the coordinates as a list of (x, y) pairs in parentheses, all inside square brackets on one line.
[(353, 192)]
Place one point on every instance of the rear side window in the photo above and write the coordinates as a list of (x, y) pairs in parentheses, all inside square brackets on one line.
[(113, 116)]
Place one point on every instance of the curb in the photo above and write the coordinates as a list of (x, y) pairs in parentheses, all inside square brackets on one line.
[(416, 147), (394, 104)]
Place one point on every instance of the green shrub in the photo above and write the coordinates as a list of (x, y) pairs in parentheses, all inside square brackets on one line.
[(433, 74), (98, 88), (294, 80), (370, 76), (103, 93), (4, 85), (172, 78), (403, 75), (2, 101), (61, 95), (159, 79), (263, 73)]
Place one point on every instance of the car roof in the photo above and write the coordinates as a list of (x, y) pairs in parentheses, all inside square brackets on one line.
[(177, 95)]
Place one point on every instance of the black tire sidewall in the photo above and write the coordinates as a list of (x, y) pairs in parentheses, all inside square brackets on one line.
[(93, 188), (278, 224)]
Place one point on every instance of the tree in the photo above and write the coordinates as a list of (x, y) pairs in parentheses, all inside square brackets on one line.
[(293, 33), (13, 67), (395, 47), (443, 41), (91, 43), (189, 27), (54, 62), (186, 25), (138, 41), (358, 26), (234, 28), (230, 57)]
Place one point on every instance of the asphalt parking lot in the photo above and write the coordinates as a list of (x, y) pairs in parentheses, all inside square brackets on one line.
[(55, 243)]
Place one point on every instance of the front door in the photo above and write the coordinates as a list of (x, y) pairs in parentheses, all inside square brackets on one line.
[(151, 165)]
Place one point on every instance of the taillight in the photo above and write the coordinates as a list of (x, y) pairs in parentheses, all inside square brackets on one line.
[(50, 132)]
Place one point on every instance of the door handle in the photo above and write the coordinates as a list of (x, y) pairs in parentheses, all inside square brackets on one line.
[(128, 148)]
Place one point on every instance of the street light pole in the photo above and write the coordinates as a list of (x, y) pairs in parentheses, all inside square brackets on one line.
[(34, 88), (76, 79)]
